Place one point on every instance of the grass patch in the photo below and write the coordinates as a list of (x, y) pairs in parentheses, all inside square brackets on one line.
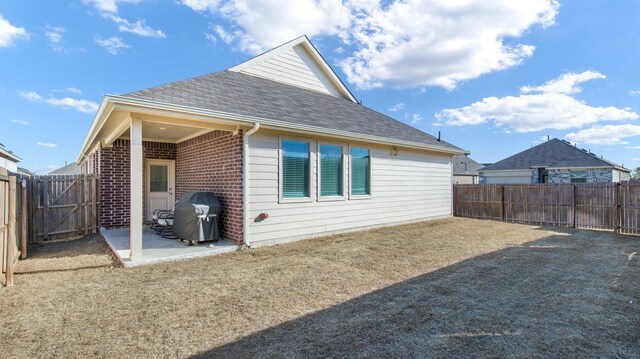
[(453, 287)]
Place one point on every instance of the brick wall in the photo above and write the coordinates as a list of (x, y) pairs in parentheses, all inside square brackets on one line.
[(213, 162), (113, 165)]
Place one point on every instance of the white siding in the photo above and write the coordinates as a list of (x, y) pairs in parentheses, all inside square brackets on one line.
[(507, 177), (10, 165), (408, 187), (295, 67)]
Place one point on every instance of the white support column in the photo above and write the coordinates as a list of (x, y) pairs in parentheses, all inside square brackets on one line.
[(135, 225)]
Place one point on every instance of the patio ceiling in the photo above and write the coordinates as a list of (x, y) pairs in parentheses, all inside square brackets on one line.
[(158, 128)]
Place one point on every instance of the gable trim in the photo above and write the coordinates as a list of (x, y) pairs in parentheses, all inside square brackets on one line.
[(315, 55)]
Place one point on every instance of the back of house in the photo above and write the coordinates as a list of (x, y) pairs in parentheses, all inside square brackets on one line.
[(280, 140)]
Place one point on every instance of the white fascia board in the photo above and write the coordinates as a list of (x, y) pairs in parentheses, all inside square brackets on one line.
[(501, 171), (105, 109), (160, 108), (586, 168), (6, 154)]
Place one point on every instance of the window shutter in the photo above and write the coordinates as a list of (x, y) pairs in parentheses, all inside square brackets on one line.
[(360, 181), (295, 169), (331, 170)]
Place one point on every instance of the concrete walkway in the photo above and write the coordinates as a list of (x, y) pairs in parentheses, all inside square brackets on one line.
[(156, 249)]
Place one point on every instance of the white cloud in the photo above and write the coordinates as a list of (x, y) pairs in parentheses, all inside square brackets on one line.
[(108, 5), (139, 27), (30, 96), (634, 92), (10, 33), (397, 107), (20, 122), (80, 105), (416, 118), (54, 34), (540, 140), (46, 144), (605, 135), (263, 24), (74, 90), (441, 43), (113, 45), (402, 43), (632, 148), (535, 112), (566, 83), (339, 50), (211, 38)]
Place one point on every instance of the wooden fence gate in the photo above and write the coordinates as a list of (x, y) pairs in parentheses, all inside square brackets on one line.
[(609, 206), (63, 206)]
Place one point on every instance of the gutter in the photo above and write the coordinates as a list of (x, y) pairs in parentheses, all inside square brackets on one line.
[(245, 182)]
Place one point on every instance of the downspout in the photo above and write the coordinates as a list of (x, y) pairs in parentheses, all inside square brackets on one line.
[(245, 183)]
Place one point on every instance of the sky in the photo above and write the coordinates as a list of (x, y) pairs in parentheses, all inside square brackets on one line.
[(494, 77)]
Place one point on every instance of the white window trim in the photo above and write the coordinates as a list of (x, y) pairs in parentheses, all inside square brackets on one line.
[(311, 143), (361, 196), (345, 186)]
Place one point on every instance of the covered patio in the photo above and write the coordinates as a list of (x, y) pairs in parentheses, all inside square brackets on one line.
[(147, 159), (156, 249)]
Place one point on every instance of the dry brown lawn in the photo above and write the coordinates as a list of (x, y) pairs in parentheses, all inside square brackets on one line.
[(446, 288)]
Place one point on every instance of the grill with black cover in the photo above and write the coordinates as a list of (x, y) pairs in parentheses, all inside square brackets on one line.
[(196, 217)]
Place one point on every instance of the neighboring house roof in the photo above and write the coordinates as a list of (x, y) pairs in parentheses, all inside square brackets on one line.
[(247, 95), (26, 172), (71, 169), (465, 166), (554, 153), (9, 155)]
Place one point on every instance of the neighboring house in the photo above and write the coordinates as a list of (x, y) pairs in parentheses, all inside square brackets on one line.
[(279, 139), (25, 172), (465, 170), (8, 160), (68, 169), (554, 161)]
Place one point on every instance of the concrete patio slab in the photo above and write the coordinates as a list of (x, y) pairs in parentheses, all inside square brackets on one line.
[(156, 249)]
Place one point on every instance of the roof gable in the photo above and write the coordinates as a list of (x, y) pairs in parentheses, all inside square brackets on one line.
[(296, 63), (554, 153)]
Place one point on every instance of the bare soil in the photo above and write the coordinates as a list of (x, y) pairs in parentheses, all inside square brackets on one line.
[(447, 288)]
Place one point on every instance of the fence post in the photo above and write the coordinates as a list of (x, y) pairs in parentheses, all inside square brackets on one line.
[(618, 208), (502, 206), (25, 215), (575, 199), (11, 238)]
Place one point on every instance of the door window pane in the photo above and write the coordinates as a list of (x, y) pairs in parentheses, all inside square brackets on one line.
[(158, 179), (330, 170), (295, 169)]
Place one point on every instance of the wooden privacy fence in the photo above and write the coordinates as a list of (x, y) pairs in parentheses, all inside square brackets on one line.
[(13, 223), (43, 208), (64, 206), (612, 206)]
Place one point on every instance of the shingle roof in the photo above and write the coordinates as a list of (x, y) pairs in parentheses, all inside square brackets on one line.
[(70, 169), (247, 95), (553, 153), (463, 165)]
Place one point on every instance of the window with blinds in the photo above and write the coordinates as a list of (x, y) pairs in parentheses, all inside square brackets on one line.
[(331, 170), (295, 169), (360, 166)]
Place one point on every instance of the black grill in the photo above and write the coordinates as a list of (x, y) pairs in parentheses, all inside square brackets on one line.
[(196, 217)]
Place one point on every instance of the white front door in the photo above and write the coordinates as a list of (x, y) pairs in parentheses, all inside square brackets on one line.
[(160, 175)]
